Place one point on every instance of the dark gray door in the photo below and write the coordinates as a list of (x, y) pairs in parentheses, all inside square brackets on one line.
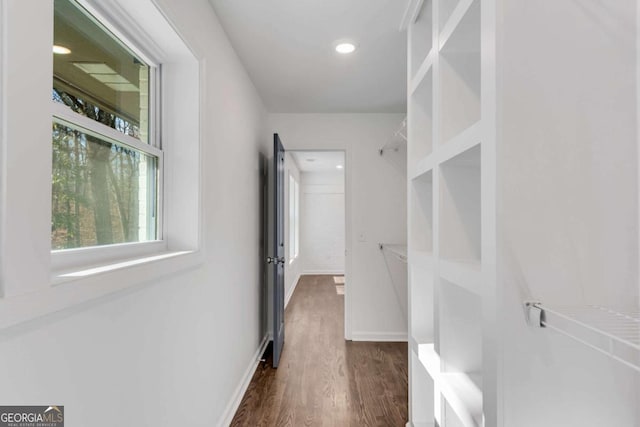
[(277, 259)]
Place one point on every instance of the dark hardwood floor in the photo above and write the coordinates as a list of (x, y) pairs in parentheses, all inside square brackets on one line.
[(322, 379)]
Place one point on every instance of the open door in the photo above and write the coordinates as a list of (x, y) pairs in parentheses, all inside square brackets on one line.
[(277, 259)]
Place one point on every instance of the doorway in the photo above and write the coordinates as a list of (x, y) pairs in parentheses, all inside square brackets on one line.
[(315, 219)]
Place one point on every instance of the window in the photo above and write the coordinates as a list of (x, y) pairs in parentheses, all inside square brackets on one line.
[(106, 156), (168, 210), (294, 218), (297, 218)]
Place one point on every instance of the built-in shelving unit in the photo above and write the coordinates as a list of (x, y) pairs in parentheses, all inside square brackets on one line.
[(504, 106), (446, 204)]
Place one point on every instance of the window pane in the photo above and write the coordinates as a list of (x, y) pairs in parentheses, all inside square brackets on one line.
[(103, 192), (97, 76), (297, 216)]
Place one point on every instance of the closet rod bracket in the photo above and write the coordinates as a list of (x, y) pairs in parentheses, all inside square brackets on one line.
[(534, 314)]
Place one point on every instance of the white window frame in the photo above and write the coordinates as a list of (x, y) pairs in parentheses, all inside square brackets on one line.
[(65, 260), (29, 286)]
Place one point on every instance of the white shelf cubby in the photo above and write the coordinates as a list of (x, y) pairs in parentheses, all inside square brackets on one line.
[(467, 275), (422, 392), (421, 213), (462, 394), (460, 77), (460, 209), (460, 335), (420, 121), (421, 37), (421, 309)]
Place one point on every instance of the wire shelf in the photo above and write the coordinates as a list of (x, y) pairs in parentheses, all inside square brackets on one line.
[(612, 331)]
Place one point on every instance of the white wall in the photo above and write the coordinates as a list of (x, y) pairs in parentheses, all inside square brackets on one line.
[(567, 212), (292, 268), (172, 352), (376, 203), (322, 224)]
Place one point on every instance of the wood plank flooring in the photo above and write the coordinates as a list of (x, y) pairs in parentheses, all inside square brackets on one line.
[(324, 380)]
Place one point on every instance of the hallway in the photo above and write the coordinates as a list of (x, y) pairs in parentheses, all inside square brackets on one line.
[(324, 380)]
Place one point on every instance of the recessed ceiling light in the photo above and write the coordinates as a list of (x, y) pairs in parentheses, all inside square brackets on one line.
[(61, 50), (310, 160), (345, 48), (339, 167)]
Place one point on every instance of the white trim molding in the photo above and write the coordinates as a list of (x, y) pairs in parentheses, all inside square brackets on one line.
[(241, 389), (379, 336), (289, 294), (323, 273)]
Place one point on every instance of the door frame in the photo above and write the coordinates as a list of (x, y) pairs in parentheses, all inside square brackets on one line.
[(348, 238)]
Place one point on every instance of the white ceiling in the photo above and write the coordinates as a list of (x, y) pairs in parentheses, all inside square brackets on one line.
[(323, 161), (287, 48)]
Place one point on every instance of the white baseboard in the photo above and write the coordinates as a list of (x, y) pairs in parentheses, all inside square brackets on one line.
[(291, 291), (379, 336), (324, 272), (238, 394)]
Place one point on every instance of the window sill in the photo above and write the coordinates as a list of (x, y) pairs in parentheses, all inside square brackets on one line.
[(69, 276), (74, 288)]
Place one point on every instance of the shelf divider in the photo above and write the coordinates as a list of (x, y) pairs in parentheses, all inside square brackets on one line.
[(423, 166), (466, 274), (465, 140), (425, 67)]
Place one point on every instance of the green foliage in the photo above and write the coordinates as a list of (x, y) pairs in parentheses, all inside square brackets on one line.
[(95, 183)]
